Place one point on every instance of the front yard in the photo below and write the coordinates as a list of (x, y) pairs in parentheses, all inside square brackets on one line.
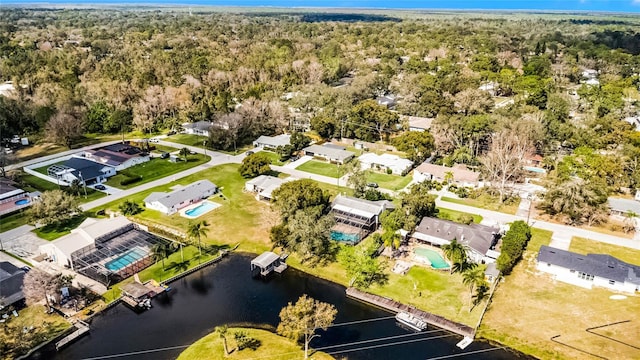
[(528, 309), (386, 181), (486, 202), (154, 169), (321, 168)]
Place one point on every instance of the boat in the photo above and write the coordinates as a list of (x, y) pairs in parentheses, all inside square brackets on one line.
[(411, 321)]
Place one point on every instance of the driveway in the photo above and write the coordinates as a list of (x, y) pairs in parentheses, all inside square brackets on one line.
[(295, 164), (22, 242)]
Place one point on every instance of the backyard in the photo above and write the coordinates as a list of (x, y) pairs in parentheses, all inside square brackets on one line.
[(387, 181), (544, 308), (321, 168), (154, 169)]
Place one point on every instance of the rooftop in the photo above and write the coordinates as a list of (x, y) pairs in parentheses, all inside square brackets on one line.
[(359, 207), (274, 141), (189, 192), (11, 278), (478, 237), (9, 188), (84, 168), (332, 152), (460, 172), (420, 122), (265, 259), (199, 125), (386, 160), (624, 205)]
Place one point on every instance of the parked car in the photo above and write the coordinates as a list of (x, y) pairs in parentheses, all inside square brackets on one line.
[(373, 185), (100, 187), (164, 155), (249, 152), (154, 140)]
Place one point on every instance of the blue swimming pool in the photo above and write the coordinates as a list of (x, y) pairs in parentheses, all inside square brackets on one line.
[(203, 208), (22, 202), (437, 262), (535, 169), (126, 259), (340, 236)]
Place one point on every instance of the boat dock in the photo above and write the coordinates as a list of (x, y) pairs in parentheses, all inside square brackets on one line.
[(267, 263), (81, 329), (394, 306)]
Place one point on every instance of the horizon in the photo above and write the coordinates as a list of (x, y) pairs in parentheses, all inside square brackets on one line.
[(586, 6)]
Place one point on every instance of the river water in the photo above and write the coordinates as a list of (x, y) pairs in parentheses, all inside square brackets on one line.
[(225, 293)]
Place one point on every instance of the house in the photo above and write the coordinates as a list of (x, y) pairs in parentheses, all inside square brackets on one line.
[(11, 278), (534, 160), (12, 198), (86, 171), (272, 142), (385, 162), (388, 100), (106, 250), (417, 123), (118, 156), (263, 186), (356, 218), (329, 152), (589, 270), (480, 239), (460, 174), (490, 87), (170, 203), (197, 128), (622, 207)]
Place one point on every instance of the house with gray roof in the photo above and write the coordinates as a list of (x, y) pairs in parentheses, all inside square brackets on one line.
[(170, 203), (329, 152), (11, 278), (480, 239), (356, 218), (197, 128), (272, 142), (120, 156), (84, 170), (263, 186), (589, 270), (622, 207)]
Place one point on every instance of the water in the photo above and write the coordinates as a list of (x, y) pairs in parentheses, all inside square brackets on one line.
[(340, 236), (22, 202), (203, 208), (225, 293), (535, 169), (437, 262), (126, 259)]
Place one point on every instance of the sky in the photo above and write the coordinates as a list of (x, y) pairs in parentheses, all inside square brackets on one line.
[(568, 5)]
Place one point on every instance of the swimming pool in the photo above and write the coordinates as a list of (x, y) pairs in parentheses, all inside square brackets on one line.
[(22, 202), (126, 259), (200, 209), (535, 169), (437, 262), (340, 236)]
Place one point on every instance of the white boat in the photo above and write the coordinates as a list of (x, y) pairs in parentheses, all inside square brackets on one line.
[(411, 321)]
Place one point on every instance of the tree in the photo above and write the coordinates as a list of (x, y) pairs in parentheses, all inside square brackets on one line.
[(159, 251), (514, 243), (5, 161), (506, 157), (370, 121), (310, 234), (416, 204), (473, 101), (197, 231), (299, 141), (299, 195), (38, 284), (300, 321), (325, 126), (418, 145), (255, 165), (54, 207), (473, 278), (64, 128), (575, 200), (357, 178), (482, 293), (184, 152), (129, 208), (361, 267), (456, 253), (222, 332), (630, 221)]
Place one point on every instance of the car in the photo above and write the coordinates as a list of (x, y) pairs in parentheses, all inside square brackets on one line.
[(25, 268), (154, 140), (164, 155), (249, 152), (373, 185), (100, 187)]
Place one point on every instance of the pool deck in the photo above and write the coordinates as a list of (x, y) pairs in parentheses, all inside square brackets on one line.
[(183, 211)]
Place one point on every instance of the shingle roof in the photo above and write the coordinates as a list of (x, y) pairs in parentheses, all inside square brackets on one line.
[(601, 265), (478, 237), (189, 192), (624, 205), (460, 173), (274, 141), (11, 278), (89, 169), (266, 184), (329, 152), (9, 188), (199, 125), (420, 122), (387, 160)]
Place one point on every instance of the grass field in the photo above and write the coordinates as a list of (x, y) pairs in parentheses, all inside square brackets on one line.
[(52, 232), (453, 215), (587, 246), (530, 307), (386, 181), (33, 183), (320, 168), (275, 158), (271, 346), (13, 221), (155, 169), (187, 139), (486, 202)]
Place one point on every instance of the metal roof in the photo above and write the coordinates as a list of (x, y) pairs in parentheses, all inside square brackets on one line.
[(624, 205), (265, 259), (359, 207), (192, 191), (329, 152)]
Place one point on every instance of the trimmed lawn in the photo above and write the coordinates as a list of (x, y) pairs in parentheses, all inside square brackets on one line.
[(8, 222), (587, 246), (52, 232), (486, 202), (453, 215), (271, 346), (155, 169), (320, 168), (529, 308), (386, 181), (187, 139), (33, 183), (275, 158), (14, 342)]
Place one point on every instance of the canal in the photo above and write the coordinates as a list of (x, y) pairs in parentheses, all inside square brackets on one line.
[(225, 293)]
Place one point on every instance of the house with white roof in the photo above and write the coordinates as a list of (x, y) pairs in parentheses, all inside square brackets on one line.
[(589, 270), (272, 142), (197, 128), (170, 203), (329, 152), (385, 162), (417, 123), (356, 218), (460, 174), (263, 186)]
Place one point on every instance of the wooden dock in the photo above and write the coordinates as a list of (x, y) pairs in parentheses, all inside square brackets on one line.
[(81, 329), (394, 306)]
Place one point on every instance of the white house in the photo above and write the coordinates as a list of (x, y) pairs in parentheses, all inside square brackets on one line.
[(86, 171), (480, 239), (330, 152), (263, 186), (119, 156), (590, 270), (170, 203), (490, 87), (396, 164), (417, 123), (272, 142), (197, 128), (461, 175)]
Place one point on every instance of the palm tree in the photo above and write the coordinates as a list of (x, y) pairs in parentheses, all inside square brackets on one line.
[(222, 332), (482, 292), (159, 252), (472, 278), (456, 253), (176, 245), (197, 231), (184, 152), (448, 177)]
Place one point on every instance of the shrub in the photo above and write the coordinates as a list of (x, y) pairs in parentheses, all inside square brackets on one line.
[(462, 192), (465, 219), (389, 171), (130, 180)]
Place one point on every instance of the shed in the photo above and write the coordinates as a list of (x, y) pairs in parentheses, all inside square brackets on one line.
[(266, 263)]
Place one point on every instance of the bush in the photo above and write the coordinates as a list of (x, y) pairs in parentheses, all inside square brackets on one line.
[(130, 180), (462, 192), (389, 171), (465, 219)]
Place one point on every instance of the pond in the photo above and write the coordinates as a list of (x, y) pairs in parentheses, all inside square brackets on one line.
[(225, 293)]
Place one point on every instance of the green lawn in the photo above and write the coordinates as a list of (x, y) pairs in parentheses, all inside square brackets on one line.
[(272, 346), (155, 169), (52, 232), (486, 202), (386, 181), (321, 168), (275, 158), (587, 246), (453, 215), (12, 221), (187, 139), (33, 183)]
